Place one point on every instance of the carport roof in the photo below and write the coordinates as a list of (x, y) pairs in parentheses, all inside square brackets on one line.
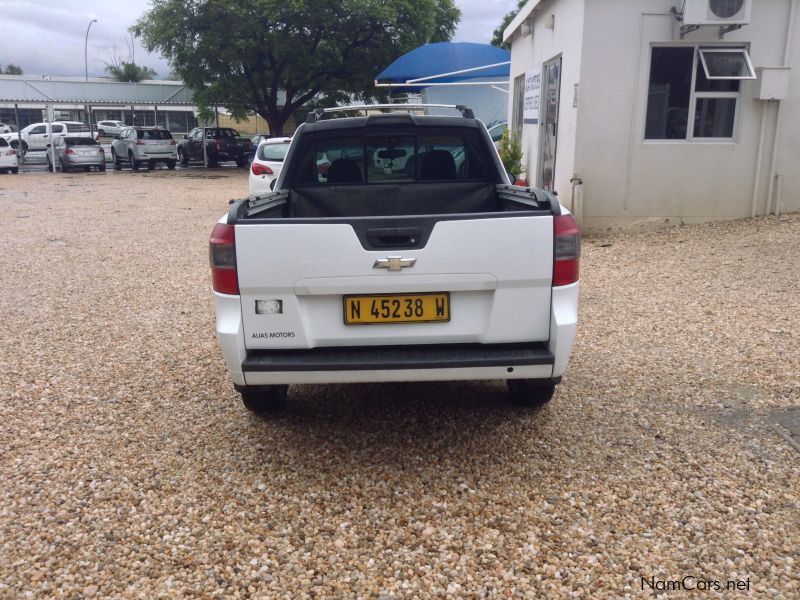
[(96, 92), (446, 57)]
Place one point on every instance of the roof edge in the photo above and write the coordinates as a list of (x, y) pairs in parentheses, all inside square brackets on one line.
[(522, 15)]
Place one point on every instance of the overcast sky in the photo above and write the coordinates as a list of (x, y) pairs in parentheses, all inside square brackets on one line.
[(46, 37)]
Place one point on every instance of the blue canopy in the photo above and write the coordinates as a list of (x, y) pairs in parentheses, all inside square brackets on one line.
[(446, 57)]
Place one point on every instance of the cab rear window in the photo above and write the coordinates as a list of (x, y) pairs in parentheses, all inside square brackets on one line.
[(77, 128), (375, 158)]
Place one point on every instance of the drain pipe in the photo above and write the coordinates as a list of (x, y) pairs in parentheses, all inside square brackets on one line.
[(577, 199), (774, 160), (759, 158)]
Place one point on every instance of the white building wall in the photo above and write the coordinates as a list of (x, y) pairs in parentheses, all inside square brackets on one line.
[(789, 140), (565, 38), (627, 180)]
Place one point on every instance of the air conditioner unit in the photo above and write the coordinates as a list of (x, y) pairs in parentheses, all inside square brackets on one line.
[(716, 12)]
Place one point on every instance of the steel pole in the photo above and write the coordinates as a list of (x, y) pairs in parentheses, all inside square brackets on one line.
[(86, 49)]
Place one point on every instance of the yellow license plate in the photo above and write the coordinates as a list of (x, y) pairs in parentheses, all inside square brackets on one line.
[(397, 308)]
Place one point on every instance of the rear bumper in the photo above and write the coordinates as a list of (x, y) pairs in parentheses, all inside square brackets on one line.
[(84, 161), (397, 375), (399, 363), (156, 155)]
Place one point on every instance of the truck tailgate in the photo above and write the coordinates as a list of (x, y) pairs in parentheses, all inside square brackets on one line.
[(494, 274)]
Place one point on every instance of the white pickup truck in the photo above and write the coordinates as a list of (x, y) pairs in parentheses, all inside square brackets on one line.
[(36, 136), (434, 268)]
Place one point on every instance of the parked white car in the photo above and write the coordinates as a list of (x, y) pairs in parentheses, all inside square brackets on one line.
[(110, 127), (267, 164), (8, 157), (36, 137), (6, 128)]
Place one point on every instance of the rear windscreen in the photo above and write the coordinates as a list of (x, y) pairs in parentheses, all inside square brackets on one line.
[(77, 128), (221, 133), (153, 134), (80, 141), (389, 158), (273, 152)]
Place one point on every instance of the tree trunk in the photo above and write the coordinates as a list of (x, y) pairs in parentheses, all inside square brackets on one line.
[(276, 123)]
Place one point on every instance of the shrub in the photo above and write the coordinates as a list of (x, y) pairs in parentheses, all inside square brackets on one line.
[(511, 153)]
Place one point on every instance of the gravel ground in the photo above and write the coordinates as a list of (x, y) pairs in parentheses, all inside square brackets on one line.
[(129, 467)]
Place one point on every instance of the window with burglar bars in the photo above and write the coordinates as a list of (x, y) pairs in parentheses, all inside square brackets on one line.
[(519, 101), (695, 92)]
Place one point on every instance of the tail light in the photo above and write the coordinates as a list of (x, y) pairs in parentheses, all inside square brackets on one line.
[(218, 144), (172, 142), (70, 151), (566, 250), (97, 138), (259, 169), (140, 142), (10, 152), (101, 150), (222, 254)]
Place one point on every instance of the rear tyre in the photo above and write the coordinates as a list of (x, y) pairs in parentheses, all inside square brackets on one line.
[(241, 161), (171, 165), (115, 159), (134, 164), (14, 170), (530, 393), (182, 157), (264, 399), (101, 168), (61, 165), (49, 165)]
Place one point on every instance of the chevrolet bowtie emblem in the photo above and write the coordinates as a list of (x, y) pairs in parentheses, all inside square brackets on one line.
[(394, 263)]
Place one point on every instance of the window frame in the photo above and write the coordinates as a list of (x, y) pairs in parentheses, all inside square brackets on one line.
[(719, 50), (695, 95), (518, 106)]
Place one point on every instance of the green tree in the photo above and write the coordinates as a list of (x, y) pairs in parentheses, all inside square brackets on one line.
[(129, 71), (447, 17), (497, 36), (12, 69), (276, 56)]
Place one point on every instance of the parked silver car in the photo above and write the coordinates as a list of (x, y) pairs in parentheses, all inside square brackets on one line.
[(76, 152), (140, 145)]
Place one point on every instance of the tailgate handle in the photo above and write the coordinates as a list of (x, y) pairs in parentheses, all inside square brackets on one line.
[(395, 237)]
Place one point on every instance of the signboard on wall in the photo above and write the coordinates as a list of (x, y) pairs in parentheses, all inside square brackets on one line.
[(533, 89)]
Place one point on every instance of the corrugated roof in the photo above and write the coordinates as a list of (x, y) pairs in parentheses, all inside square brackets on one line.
[(30, 89)]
